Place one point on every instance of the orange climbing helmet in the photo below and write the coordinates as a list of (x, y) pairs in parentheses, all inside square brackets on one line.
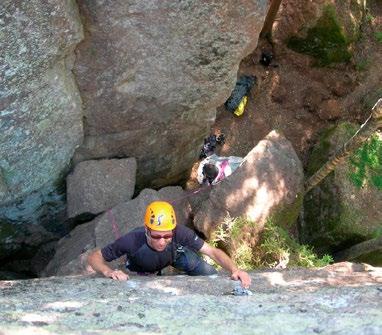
[(160, 216)]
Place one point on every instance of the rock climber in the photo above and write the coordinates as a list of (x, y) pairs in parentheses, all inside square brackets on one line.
[(214, 169), (159, 243)]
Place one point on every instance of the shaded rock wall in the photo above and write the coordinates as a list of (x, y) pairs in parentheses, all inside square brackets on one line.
[(339, 213), (40, 116), (151, 74)]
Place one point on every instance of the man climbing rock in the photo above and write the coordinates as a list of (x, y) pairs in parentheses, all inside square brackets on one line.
[(161, 242)]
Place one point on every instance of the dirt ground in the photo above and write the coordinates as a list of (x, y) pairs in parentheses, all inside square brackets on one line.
[(297, 98)]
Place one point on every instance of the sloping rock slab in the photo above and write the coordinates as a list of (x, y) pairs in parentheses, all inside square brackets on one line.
[(270, 180), (97, 185), (341, 299)]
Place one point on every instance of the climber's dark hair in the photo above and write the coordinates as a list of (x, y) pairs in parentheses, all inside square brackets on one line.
[(210, 172)]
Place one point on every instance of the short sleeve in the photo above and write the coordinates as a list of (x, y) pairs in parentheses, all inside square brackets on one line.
[(188, 238), (118, 248)]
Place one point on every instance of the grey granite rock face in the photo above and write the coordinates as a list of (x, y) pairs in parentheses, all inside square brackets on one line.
[(151, 74), (97, 185), (40, 107), (341, 299)]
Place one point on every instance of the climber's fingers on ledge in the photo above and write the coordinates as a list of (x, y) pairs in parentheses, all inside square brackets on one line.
[(243, 277), (118, 275)]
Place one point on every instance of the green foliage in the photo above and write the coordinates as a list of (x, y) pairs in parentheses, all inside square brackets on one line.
[(237, 227), (326, 41), (243, 257), (367, 164), (369, 18), (275, 248), (378, 36)]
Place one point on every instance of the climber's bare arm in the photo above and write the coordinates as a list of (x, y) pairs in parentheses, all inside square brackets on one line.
[(97, 262), (220, 257)]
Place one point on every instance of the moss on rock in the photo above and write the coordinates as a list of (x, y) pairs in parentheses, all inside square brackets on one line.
[(286, 216), (326, 41)]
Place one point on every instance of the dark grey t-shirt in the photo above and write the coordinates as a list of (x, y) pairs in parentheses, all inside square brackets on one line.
[(141, 257)]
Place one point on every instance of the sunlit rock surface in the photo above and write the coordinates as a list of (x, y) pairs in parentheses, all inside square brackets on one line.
[(267, 185), (341, 299)]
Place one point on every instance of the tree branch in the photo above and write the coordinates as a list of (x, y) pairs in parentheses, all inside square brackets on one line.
[(373, 122), (359, 249)]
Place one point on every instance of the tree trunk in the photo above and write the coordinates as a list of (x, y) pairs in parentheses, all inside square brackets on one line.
[(359, 250), (266, 32), (364, 132)]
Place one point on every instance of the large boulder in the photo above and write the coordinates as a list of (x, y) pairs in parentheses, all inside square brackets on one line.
[(40, 110), (156, 71), (72, 250), (345, 208), (268, 185), (97, 185)]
